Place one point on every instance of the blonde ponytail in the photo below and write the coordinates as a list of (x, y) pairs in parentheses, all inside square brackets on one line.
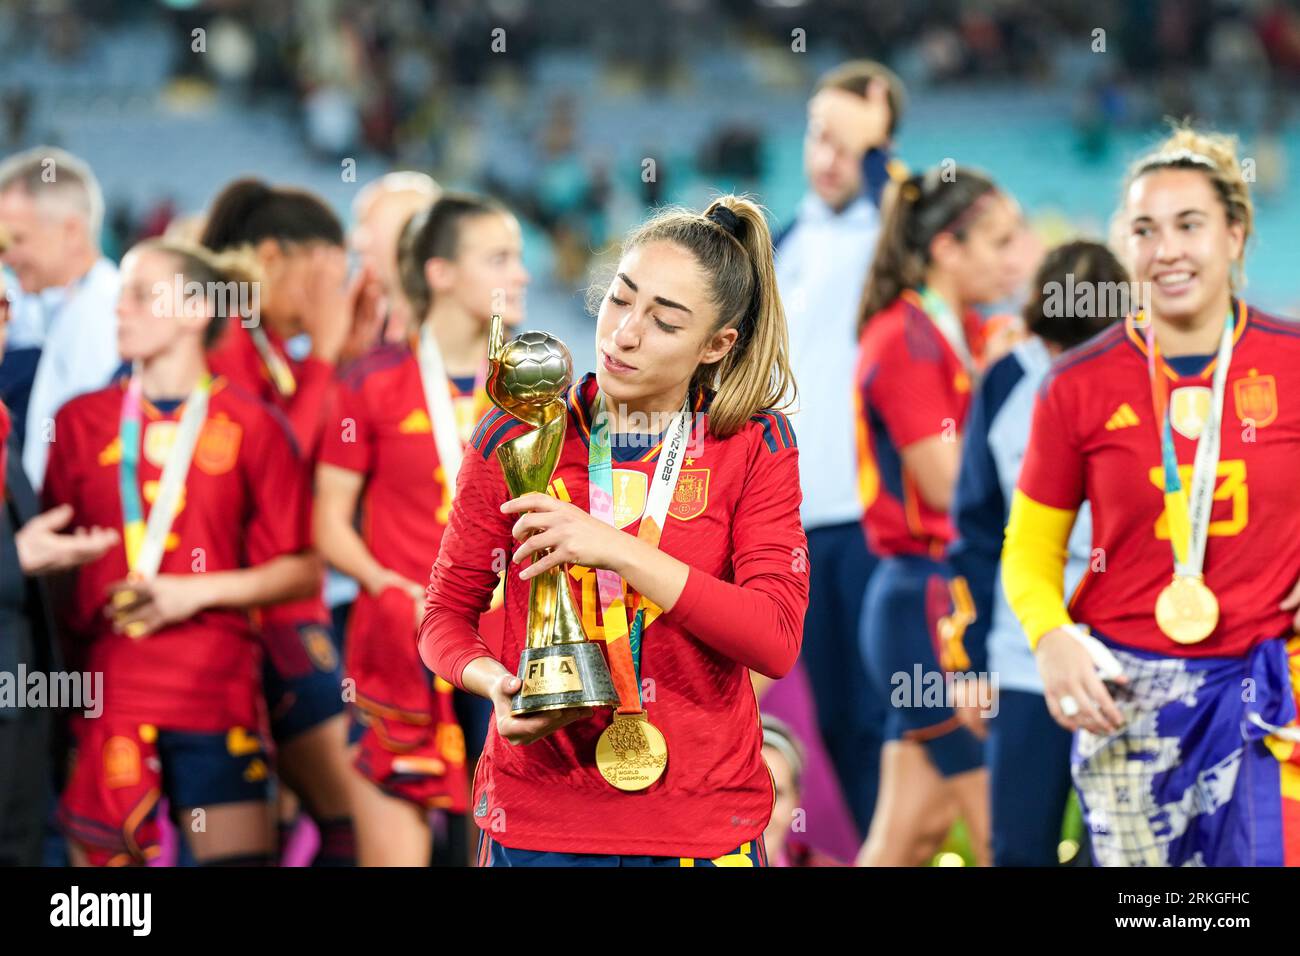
[(733, 246), (755, 375)]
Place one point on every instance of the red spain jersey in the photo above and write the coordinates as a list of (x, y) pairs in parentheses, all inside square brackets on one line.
[(1094, 437), (911, 385), (245, 501), (236, 358), (380, 429), (734, 518)]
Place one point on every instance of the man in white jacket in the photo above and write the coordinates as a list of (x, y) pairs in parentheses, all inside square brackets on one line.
[(821, 263), (65, 333)]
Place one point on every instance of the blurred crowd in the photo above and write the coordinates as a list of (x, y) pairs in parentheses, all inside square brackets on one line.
[(400, 79)]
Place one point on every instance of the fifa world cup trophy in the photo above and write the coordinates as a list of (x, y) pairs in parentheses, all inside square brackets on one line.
[(559, 667)]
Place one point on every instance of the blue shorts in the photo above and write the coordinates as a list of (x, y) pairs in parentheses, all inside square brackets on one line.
[(205, 770), (492, 853), (302, 678), (902, 665)]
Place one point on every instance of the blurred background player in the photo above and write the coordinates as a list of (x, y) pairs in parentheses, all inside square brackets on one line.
[(164, 616), (63, 342), (946, 246), (298, 244), (821, 265), (1176, 429), (784, 755), (694, 303), (1023, 742), (394, 447), (379, 213)]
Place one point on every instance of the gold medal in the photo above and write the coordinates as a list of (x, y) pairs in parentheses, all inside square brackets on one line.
[(631, 753), (1186, 610), (123, 598)]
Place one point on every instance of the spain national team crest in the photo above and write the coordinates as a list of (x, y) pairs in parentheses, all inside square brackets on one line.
[(158, 440), (1189, 409), (692, 494), (629, 496), (121, 763), (320, 648), (218, 445), (1256, 398)]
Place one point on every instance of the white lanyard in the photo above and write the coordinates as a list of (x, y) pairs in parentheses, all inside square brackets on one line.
[(1200, 499), (442, 412)]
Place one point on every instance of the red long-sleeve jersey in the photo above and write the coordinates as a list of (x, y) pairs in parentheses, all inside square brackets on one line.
[(735, 520)]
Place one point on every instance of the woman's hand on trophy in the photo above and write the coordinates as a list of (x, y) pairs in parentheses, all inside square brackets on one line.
[(526, 729), (561, 533)]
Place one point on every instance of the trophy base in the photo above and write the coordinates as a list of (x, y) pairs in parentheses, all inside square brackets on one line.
[(563, 675)]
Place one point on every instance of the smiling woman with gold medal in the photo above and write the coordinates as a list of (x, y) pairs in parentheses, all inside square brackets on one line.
[(671, 537), (1181, 428)]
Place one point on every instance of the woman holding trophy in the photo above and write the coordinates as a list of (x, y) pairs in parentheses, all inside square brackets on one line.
[(393, 446), (673, 518)]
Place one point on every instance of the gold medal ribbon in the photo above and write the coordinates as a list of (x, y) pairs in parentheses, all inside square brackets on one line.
[(146, 541), (623, 645), (1186, 609)]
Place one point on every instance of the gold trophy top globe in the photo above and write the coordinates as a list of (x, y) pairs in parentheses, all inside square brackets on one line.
[(528, 376)]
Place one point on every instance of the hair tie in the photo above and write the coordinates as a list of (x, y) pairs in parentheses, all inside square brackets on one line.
[(724, 217), (910, 192)]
